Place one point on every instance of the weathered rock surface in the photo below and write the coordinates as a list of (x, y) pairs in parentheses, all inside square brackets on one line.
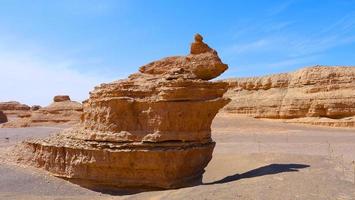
[(60, 98), (14, 108), (61, 111), (203, 63), (150, 130), (35, 107), (3, 117), (316, 95)]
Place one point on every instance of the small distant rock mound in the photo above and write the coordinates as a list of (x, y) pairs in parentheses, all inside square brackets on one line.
[(3, 117), (61, 98), (61, 111), (35, 107), (152, 129), (319, 95), (13, 108)]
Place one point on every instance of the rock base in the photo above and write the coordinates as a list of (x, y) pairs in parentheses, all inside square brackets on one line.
[(130, 165)]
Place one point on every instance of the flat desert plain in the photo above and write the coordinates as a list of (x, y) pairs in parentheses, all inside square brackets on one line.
[(253, 159)]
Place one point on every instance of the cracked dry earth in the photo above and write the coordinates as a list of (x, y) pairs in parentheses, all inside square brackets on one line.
[(253, 159)]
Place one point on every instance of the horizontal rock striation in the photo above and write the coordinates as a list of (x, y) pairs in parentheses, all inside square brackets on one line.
[(105, 165), (13, 105), (61, 111), (13, 108), (149, 130), (316, 92)]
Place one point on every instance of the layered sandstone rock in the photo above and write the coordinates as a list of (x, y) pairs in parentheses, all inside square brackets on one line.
[(150, 130), (13, 108), (61, 111), (61, 98), (3, 117), (35, 107), (316, 95)]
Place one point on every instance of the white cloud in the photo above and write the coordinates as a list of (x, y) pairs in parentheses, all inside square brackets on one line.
[(34, 82), (293, 44), (29, 75), (250, 47)]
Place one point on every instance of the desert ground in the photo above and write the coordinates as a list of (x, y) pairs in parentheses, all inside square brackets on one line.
[(253, 159)]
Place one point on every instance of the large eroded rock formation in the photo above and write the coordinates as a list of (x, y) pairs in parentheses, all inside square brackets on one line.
[(61, 111), (150, 130), (315, 95)]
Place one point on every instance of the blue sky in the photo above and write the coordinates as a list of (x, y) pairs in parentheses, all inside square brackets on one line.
[(68, 47)]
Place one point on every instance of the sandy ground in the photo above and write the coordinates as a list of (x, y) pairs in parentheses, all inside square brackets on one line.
[(253, 159)]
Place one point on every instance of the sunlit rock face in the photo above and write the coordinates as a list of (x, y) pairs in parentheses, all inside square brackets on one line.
[(320, 95), (149, 130)]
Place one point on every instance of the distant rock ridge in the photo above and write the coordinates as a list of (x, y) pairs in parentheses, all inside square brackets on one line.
[(61, 111), (14, 108), (13, 105), (309, 95)]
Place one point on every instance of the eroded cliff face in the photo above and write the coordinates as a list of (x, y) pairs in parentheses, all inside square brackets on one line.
[(316, 95), (149, 130)]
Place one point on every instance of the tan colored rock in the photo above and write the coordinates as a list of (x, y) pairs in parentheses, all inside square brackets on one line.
[(35, 107), (199, 46), (3, 117), (24, 115), (150, 130), (60, 98), (324, 121), (205, 65), (316, 92), (61, 111), (17, 123), (13, 108), (13, 105)]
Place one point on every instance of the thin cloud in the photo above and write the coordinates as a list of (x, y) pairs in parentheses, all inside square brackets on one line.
[(33, 82), (90, 8), (250, 47), (32, 78), (292, 62), (336, 34), (280, 8), (291, 44)]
